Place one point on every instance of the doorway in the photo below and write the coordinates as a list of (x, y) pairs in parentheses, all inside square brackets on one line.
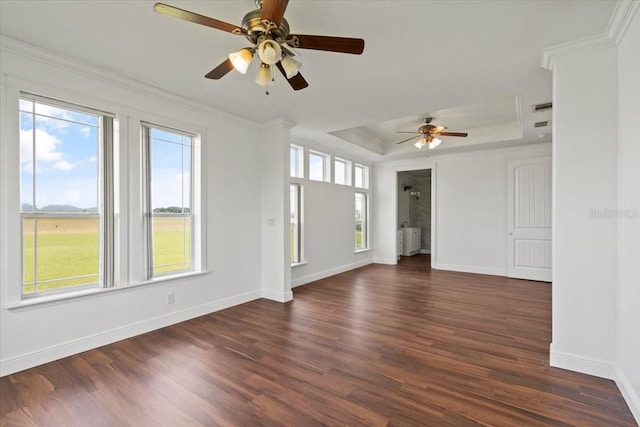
[(414, 217)]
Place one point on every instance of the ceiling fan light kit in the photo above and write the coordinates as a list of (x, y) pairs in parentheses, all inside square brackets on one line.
[(265, 76), (268, 31), (241, 59), (290, 65), (429, 133)]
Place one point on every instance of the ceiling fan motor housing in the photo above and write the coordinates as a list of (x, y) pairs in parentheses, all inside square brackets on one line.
[(256, 28)]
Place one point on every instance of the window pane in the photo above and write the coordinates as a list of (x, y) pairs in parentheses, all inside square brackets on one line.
[(65, 168), (59, 152), (362, 176), (171, 204), (316, 167), (171, 244), (293, 159), (66, 252), (361, 221), (295, 221), (341, 172), (359, 174)]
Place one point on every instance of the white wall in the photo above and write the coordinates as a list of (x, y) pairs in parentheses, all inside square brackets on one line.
[(470, 203), (40, 333), (585, 105), (328, 226), (628, 369)]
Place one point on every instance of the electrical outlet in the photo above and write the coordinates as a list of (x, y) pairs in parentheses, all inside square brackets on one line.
[(170, 298)]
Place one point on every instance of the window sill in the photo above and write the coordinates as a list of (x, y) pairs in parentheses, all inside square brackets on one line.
[(86, 293), (359, 251), (298, 264)]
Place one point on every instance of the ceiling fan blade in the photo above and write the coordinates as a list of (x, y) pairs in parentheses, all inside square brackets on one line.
[(403, 131), (273, 10), (452, 133), (297, 82), (175, 12), (220, 71), (327, 43), (409, 139)]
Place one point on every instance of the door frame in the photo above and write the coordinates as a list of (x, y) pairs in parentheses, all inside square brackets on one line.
[(433, 168)]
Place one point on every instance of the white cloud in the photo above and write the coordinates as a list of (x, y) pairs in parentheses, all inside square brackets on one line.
[(93, 159), (63, 165), (85, 131), (47, 150)]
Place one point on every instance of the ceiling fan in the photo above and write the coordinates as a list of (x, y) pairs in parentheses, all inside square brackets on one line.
[(268, 32), (428, 134)]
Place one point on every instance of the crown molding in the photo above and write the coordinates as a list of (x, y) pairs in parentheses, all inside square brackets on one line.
[(10, 45), (590, 44), (622, 16)]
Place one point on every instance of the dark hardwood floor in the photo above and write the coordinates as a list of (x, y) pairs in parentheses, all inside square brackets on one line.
[(381, 345)]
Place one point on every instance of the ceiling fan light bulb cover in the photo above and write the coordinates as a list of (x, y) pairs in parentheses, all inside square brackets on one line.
[(269, 52), (265, 78), (419, 143), (434, 143), (241, 60), (291, 66)]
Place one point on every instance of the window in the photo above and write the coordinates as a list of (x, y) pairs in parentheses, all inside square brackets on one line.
[(66, 196), (169, 200), (296, 160), (361, 176), (319, 169), (361, 221), (295, 200), (342, 169)]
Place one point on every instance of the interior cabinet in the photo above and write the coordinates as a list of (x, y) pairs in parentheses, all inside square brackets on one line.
[(411, 240)]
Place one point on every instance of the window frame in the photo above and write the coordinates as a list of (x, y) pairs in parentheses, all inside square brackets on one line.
[(364, 228), (348, 165), (326, 166), (297, 152), (365, 176), (149, 215), (106, 199)]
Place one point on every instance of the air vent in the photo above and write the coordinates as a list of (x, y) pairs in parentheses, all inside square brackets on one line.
[(542, 107), (542, 124)]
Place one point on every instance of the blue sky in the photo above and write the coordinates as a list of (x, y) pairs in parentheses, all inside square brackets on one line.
[(66, 159)]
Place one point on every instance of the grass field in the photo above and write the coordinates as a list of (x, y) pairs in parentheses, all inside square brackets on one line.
[(68, 251)]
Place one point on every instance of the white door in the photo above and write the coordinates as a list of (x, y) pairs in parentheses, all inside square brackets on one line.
[(529, 232)]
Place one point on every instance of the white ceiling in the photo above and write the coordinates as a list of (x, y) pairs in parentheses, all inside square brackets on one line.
[(472, 65)]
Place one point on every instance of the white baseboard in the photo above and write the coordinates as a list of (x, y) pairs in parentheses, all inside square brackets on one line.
[(386, 261), (471, 269), (277, 296), (49, 354), (425, 251), (582, 364), (631, 395), (330, 272)]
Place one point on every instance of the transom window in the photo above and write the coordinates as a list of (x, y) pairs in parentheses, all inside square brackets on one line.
[(361, 176), (319, 167), (66, 197), (296, 160), (342, 170), (169, 200)]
